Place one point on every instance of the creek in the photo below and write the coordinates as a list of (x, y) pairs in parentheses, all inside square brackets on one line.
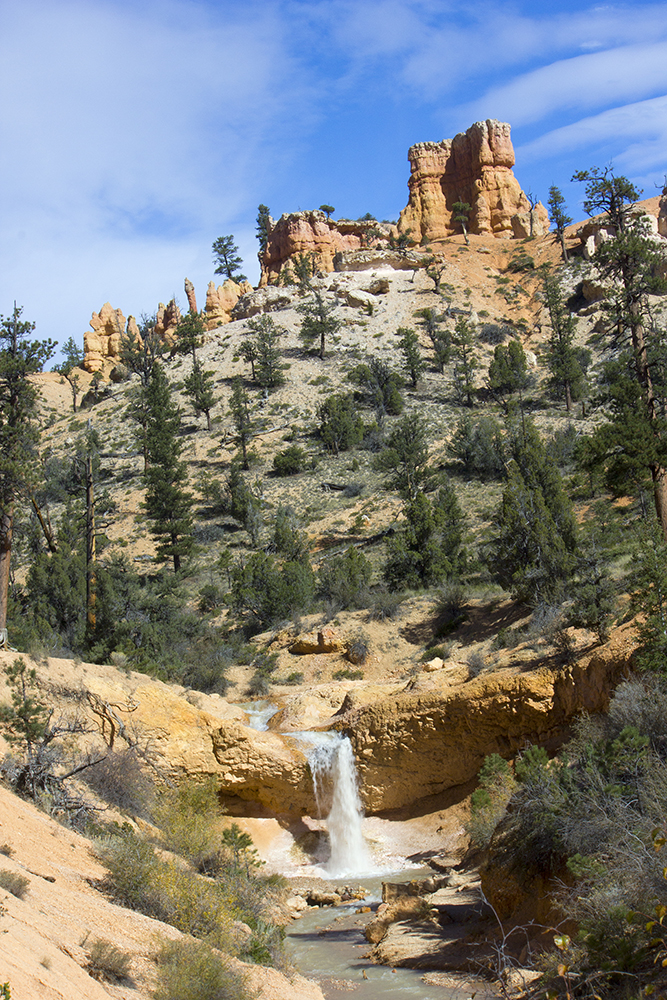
[(328, 944)]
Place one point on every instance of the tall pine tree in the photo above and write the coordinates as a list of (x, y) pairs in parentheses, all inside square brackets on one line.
[(168, 504), (20, 358)]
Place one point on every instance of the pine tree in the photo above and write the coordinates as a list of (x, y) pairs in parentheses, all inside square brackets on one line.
[(460, 214), (562, 358), (263, 228), (19, 359), (558, 216), (198, 387), (140, 354), (406, 455), (635, 262), (190, 334), (508, 373), (534, 553), (70, 367), (465, 362), (429, 549), (261, 350), (240, 410), (319, 321), (413, 363), (168, 504), (441, 339), (227, 259)]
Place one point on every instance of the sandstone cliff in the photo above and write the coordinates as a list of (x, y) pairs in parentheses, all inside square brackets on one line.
[(429, 738), (310, 233), (474, 167)]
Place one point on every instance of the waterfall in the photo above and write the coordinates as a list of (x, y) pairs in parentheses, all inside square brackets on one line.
[(332, 766)]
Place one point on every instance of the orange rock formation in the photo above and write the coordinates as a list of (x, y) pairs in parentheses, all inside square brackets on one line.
[(309, 233), (475, 167)]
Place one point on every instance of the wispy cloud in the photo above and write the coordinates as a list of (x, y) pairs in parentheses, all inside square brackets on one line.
[(130, 138), (583, 82), (639, 129)]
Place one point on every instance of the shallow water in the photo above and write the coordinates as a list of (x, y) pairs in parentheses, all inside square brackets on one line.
[(328, 945)]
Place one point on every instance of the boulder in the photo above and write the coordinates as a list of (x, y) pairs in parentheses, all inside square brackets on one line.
[(271, 298), (324, 641), (474, 167), (412, 908), (360, 299)]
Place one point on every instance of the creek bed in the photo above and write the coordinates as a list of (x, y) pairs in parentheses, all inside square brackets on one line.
[(328, 945)]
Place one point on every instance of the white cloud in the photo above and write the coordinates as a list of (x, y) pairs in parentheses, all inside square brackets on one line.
[(584, 82), (637, 131), (131, 137)]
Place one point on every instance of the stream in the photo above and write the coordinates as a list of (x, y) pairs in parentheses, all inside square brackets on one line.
[(328, 943)]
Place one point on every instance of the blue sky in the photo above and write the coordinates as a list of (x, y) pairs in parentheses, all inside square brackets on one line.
[(133, 134)]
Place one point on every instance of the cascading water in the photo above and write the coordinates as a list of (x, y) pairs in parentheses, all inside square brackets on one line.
[(332, 764)]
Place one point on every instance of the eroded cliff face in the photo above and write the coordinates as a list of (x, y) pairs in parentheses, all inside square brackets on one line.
[(309, 233), (475, 167), (428, 738), (409, 744)]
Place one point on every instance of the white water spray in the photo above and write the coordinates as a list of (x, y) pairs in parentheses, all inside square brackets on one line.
[(332, 761)]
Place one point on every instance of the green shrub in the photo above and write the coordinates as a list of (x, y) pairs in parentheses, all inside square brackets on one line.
[(384, 605), (167, 890), (15, 883), (344, 579), (106, 961), (190, 970), (489, 802), (188, 818), (291, 461), (345, 674)]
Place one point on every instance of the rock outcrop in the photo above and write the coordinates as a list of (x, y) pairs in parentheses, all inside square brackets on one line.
[(101, 344), (430, 738), (310, 233), (475, 167), (220, 301)]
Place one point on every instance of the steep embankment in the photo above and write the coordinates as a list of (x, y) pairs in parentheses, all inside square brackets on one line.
[(44, 934)]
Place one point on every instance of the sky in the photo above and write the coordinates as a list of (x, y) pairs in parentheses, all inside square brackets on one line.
[(133, 134)]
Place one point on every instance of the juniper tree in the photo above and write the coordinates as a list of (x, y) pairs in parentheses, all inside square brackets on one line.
[(379, 387), (168, 504), (20, 358)]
